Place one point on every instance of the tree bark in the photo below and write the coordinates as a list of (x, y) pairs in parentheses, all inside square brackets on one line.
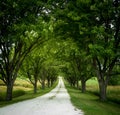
[(83, 85), (9, 91), (102, 88), (35, 86), (101, 81), (51, 82), (48, 83), (77, 83), (43, 84)]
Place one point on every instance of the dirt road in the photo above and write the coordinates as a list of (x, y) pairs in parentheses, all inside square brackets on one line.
[(57, 102)]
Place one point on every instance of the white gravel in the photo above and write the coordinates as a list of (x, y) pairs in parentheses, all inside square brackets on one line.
[(57, 102)]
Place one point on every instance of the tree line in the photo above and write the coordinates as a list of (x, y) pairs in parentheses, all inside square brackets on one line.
[(94, 26)]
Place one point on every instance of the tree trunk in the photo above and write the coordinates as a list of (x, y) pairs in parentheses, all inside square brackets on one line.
[(48, 83), (102, 88), (9, 91), (35, 86), (77, 83), (83, 85), (101, 80), (43, 84), (51, 82)]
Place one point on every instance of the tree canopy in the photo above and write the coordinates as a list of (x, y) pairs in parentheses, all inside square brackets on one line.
[(80, 38)]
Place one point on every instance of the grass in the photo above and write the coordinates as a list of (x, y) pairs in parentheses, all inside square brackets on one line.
[(22, 91), (89, 101)]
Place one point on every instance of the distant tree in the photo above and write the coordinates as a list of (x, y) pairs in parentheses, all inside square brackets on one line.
[(31, 68)]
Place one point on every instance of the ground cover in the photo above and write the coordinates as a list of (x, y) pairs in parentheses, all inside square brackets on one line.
[(89, 101)]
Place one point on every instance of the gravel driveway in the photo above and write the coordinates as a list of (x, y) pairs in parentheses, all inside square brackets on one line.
[(57, 102)]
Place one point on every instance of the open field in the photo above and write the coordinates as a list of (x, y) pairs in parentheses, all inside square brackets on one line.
[(89, 101)]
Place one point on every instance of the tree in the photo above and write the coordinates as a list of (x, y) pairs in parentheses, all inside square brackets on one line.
[(80, 68), (31, 68), (12, 58), (18, 37), (105, 49)]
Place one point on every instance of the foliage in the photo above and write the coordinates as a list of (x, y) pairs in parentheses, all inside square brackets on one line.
[(19, 36), (94, 26), (78, 38), (115, 80)]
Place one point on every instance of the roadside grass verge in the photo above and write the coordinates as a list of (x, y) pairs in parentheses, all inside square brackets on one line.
[(23, 92), (89, 102)]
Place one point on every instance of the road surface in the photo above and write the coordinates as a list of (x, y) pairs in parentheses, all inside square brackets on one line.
[(56, 102)]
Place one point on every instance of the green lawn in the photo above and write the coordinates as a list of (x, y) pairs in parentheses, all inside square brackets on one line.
[(89, 102)]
